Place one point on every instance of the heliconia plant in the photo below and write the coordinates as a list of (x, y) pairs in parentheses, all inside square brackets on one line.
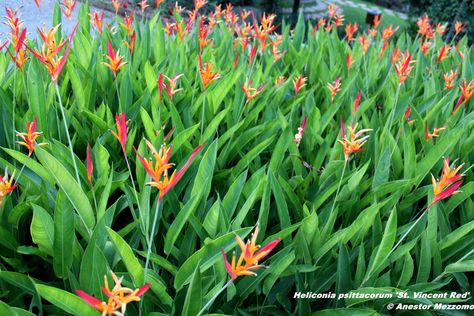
[(220, 162)]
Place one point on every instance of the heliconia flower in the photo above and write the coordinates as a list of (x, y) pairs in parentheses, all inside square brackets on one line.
[(334, 88), (160, 84), (449, 79), (299, 135), (425, 45), (122, 130), (364, 42), (349, 61), (356, 102), (158, 3), (404, 67), (171, 87), (131, 44), (280, 80), (395, 55), (372, 33), (67, 7), (118, 297), (30, 137), (203, 33), (332, 11), (177, 9), (387, 33), (128, 23), (143, 5), (251, 255), (353, 144), (440, 29), (458, 27), (115, 61), (338, 20), (407, 116), (321, 22), (19, 59), (429, 135), (466, 93), (252, 54), (443, 52), (299, 83), (350, 30), (116, 4), (424, 27), (207, 76), (97, 20), (377, 20), (49, 55), (90, 166), (6, 185), (251, 93), (159, 170), (38, 3), (244, 14), (448, 184), (198, 4)]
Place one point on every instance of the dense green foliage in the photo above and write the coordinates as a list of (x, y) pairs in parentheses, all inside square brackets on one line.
[(337, 224)]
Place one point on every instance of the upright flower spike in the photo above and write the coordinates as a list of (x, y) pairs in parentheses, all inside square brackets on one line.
[(449, 79), (466, 92), (364, 42), (404, 67), (349, 61), (49, 54), (6, 185), (299, 135), (29, 138), (170, 87), (299, 83), (250, 256), (355, 106), (207, 76), (440, 29), (387, 33), (128, 23), (350, 30), (354, 143), (97, 20), (407, 116), (334, 88), (458, 27), (122, 130), (115, 61), (251, 93), (443, 52), (159, 171), (118, 297), (67, 7), (90, 165), (448, 184), (429, 135), (116, 4)]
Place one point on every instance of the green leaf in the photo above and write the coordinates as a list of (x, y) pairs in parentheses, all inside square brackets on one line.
[(66, 301), (42, 229), (64, 236), (192, 303), (68, 184)]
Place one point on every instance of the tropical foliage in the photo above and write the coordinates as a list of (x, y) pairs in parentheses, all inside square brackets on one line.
[(162, 153)]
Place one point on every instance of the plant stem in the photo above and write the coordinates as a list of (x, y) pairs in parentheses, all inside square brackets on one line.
[(203, 111), (208, 304), (150, 240), (462, 258), (14, 109), (118, 95), (136, 196), (326, 228), (67, 134)]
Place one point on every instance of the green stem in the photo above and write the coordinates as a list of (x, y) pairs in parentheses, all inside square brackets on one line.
[(208, 304), (203, 111), (136, 195), (150, 240), (326, 228), (67, 134), (118, 95), (14, 109), (462, 258)]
